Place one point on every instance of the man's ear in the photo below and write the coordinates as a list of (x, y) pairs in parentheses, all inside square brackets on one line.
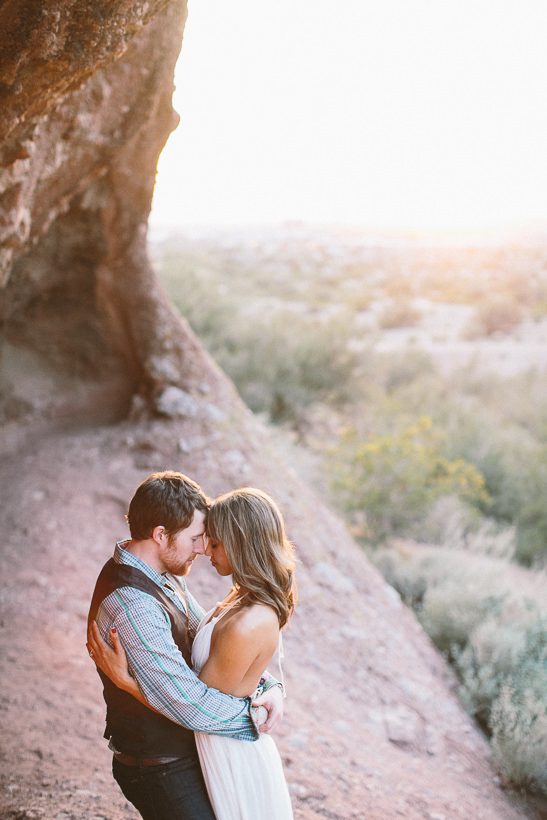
[(159, 534)]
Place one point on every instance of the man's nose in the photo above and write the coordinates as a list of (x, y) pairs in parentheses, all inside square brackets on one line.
[(200, 546)]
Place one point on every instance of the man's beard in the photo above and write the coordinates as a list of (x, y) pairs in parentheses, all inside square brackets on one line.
[(174, 566)]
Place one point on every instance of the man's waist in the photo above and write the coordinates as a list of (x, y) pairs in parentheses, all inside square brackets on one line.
[(131, 760)]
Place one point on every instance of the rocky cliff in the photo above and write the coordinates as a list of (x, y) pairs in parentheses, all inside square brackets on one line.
[(102, 383), (85, 109)]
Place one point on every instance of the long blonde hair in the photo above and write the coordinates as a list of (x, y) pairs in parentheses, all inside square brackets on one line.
[(250, 526)]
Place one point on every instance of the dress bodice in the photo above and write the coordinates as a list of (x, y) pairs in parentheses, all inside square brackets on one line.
[(202, 641), (201, 647)]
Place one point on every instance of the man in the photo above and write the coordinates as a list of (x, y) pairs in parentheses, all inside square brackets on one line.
[(138, 596)]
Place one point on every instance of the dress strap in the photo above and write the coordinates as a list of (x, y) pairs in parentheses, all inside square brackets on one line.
[(224, 609), (280, 656)]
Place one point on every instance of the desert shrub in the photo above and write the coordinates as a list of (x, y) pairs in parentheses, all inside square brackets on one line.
[(499, 427), (395, 371), (451, 522), (489, 618), (280, 361), (495, 649), (513, 462), (454, 607), (399, 313), (207, 304), (496, 314), (519, 723), (403, 571), (281, 365), (395, 478)]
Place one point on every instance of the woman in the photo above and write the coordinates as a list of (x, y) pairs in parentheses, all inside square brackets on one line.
[(234, 643)]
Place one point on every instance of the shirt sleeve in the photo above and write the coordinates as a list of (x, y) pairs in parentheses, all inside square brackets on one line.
[(267, 681), (164, 677)]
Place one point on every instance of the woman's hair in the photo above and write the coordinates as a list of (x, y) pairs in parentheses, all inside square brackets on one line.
[(250, 526)]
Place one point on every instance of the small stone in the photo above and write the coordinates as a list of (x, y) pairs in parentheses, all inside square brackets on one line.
[(298, 789), (403, 726), (164, 369), (297, 740), (327, 575), (393, 597), (214, 413), (176, 403), (236, 461)]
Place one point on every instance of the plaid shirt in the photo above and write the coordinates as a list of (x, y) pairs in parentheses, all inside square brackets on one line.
[(165, 679)]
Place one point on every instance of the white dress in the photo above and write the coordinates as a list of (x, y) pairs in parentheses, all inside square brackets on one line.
[(244, 779)]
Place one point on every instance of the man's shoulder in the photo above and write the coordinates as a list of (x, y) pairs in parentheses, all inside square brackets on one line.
[(127, 599)]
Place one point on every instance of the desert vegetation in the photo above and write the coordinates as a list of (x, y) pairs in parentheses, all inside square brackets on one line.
[(415, 377)]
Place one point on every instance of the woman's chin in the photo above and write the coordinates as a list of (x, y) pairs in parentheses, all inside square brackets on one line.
[(220, 571)]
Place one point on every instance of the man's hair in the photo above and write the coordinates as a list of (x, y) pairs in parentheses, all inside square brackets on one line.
[(165, 499)]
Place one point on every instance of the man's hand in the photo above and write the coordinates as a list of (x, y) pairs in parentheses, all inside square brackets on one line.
[(272, 701)]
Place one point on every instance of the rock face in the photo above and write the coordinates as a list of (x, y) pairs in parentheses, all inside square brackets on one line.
[(85, 109), (373, 729)]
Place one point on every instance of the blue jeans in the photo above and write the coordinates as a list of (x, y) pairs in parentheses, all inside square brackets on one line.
[(173, 791)]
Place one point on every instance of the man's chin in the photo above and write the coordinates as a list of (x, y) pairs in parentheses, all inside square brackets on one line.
[(182, 569)]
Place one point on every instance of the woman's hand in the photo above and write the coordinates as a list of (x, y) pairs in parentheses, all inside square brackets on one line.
[(110, 660)]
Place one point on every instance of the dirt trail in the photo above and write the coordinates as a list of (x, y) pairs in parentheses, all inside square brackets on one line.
[(373, 728)]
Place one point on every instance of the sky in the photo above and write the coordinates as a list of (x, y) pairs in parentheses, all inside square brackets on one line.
[(421, 114)]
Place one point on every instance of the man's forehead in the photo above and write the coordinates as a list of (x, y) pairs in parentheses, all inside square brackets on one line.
[(198, 523)]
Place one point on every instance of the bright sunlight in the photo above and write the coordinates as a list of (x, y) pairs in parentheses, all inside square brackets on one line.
[(421, 114)]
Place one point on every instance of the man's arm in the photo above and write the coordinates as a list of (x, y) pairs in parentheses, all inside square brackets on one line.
[(163, 676)]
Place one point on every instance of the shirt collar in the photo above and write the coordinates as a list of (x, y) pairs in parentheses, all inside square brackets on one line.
[(123, 556)]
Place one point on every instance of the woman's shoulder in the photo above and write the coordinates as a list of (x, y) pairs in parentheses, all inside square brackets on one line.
[(254, 617)]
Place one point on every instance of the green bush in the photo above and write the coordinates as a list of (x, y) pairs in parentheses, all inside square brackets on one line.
[(394, 479)]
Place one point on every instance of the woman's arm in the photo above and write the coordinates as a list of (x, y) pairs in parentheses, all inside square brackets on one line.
[(112, 661)]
